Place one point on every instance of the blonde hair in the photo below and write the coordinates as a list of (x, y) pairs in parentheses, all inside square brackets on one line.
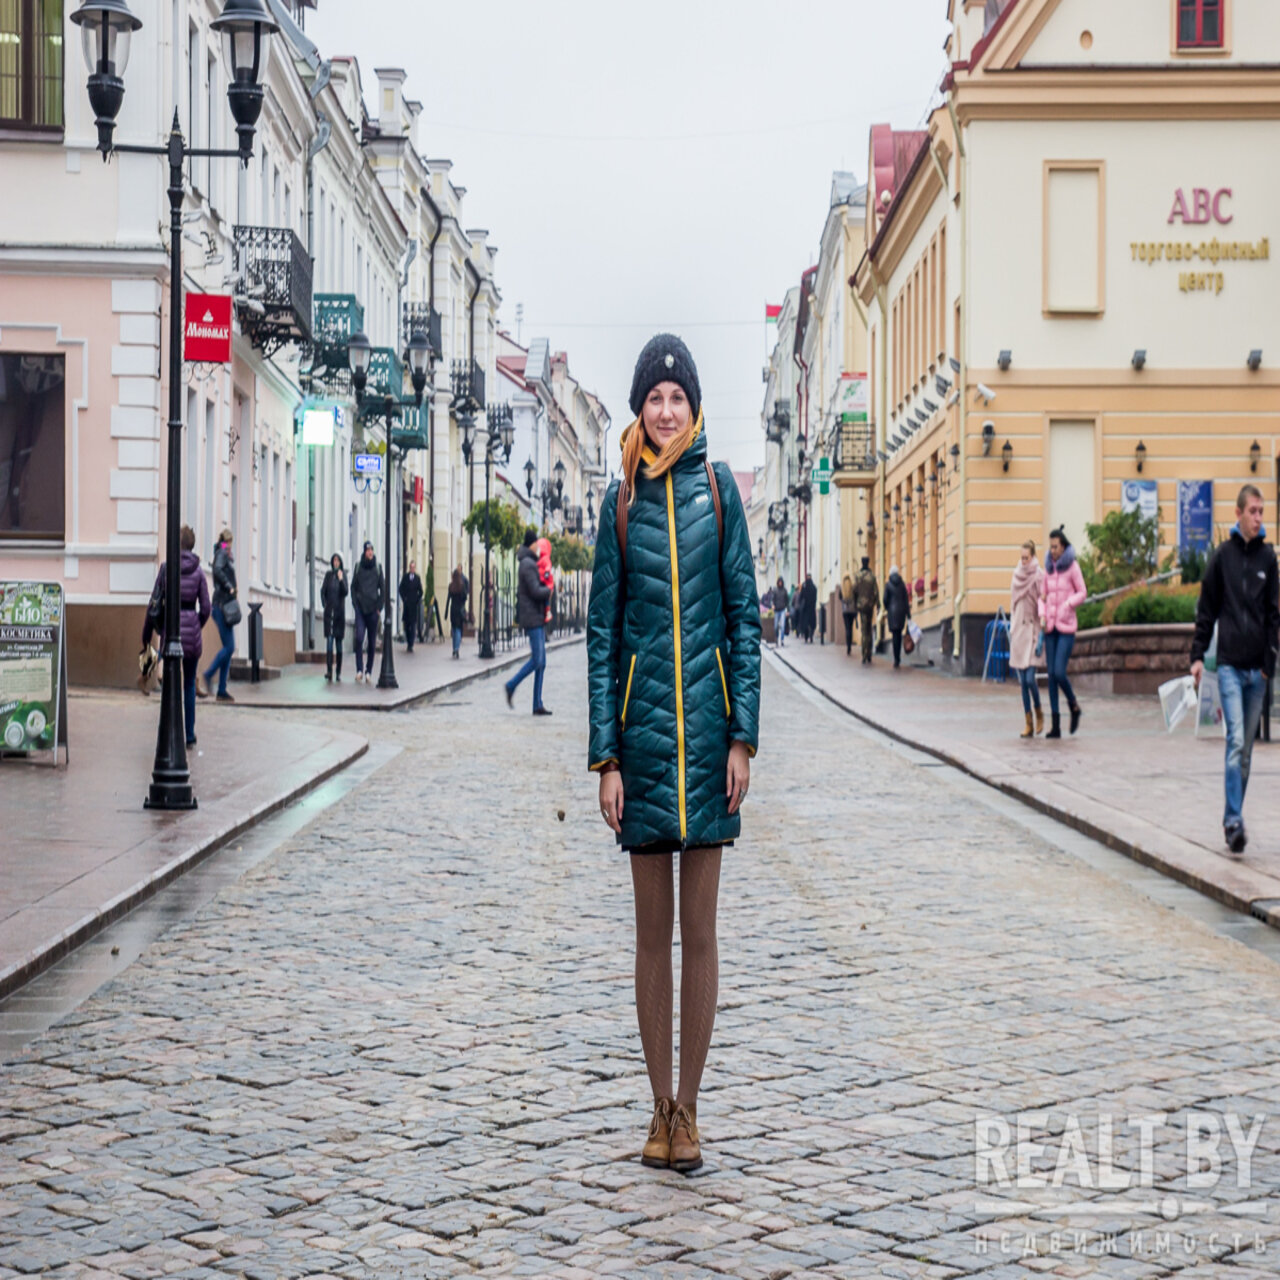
[(635, 440), (1030, 545)]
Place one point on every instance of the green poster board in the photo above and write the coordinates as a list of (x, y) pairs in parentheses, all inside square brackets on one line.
[(33, 669)]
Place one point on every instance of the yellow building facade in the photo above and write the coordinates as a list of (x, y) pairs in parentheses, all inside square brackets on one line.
[(1071, 288)]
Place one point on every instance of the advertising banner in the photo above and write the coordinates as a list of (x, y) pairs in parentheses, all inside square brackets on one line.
[(1141, 495), (206, 336), (32, 668), (855, 400), (1195, 515)]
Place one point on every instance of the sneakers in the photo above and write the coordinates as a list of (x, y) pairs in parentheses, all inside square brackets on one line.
[(657, 1150), (359, 675), (686, 1146), (225, 697), (541, 711), (1236, 838)]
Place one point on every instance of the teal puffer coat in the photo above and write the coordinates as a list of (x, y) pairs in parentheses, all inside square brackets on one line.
[(670, 687)]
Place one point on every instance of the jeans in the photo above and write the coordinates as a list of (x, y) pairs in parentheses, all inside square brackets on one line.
[(332, 649), (1057, 653), (1242, 693), (222, 663), (1030, 689), (366, 625), (457, 638), (536, 665), (780, 626), (189, 668)]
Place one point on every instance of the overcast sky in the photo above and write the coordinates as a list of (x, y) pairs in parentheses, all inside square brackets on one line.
[(640, 167)]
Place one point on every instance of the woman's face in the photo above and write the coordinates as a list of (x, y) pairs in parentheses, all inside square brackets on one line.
[(335, 563), (1026, 556), (1055, 548), (666, 413)]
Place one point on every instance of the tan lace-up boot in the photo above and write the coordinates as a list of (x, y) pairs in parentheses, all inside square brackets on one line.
[(657, 1150), (686, 1146)]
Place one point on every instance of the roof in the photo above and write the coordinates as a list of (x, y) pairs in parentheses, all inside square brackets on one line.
[(745, 481), (846, 189), (513, 367)]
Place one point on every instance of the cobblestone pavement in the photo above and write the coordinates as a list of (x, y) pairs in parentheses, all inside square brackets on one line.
[(405, 1044)]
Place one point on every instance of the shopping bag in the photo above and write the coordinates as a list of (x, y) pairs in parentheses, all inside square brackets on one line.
[(913, 630), (1209, 713), (1177, 697)]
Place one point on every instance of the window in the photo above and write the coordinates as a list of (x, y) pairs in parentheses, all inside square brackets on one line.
[(1200, 24), (31, 64), (32, 447)]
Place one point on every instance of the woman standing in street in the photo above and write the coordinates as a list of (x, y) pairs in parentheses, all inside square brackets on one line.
[(849, 608), (1024, 632), (673, 648), (224, 590), (195, 613), (1061, 595), (333, 596), (897, 609), (455, 610)]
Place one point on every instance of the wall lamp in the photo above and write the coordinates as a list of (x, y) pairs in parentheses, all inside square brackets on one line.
[(1255, 456), (1139, 358), (955, 453), (1255, 359), (1140, 455), (1004, 360), (1006, 454), (988, 437)]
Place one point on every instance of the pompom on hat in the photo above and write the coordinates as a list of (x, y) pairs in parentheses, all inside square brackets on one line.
[(665, 358)]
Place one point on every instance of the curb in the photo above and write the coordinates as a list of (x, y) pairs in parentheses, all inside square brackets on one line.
[(1264, 908), (47, 954)]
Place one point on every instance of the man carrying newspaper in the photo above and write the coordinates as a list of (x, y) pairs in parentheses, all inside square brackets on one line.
[(1241, 594)]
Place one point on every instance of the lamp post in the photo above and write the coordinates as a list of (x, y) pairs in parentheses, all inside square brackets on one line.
[(499, 435), (107, 28)]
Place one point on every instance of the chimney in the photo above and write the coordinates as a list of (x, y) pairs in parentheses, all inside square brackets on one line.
[(391, 109)]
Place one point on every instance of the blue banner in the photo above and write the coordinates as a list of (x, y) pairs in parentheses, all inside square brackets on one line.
[(1195, 515)]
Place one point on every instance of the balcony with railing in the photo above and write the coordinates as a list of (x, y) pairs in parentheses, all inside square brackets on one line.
[(273, 287), (779, 516), (336, 316), (778, 423), (411, 431), (573, 519), (468, 386), (854, 454), (420, 315)]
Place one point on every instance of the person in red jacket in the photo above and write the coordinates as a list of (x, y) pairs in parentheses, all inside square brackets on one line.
[(1061, 595)]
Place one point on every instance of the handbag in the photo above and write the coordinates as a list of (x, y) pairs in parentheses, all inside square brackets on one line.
[(231, 612), (155, 605), (908, 644)]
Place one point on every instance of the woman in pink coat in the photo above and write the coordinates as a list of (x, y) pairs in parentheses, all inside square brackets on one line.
[(1024, 631), (1061, 595)]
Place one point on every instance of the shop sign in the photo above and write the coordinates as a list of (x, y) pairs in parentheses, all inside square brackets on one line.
[(320, 423), (1201, 263), (367, 464), (207, 336), (1195, 515), (33, 668), (855, 404), (1142, 496), (419, 492)]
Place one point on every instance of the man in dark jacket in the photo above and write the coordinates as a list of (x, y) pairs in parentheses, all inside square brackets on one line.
[(866, 598), (368, 591), (897, 609), (531, 609), (808, 608), (779, 601), (410, 603), (1241, 594)]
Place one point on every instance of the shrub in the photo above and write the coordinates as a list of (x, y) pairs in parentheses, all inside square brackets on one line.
[(506, 527), (1192, 565), (1122, 549), (1089, 616), (1156, 608)]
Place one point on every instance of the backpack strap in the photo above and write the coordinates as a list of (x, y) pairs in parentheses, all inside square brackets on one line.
[(620, 520), (715, 497)]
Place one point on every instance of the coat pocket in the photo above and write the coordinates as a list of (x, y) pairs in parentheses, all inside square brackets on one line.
[(724, 684), (627, 696)]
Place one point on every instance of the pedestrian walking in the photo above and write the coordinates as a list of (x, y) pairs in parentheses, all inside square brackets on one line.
[(333, 598), (532, 595), (194, 614), (368, 593), (897, 610), (1062, 592), (849, 610), (866, 598), (1024, 634), (410, 603), (673, 649), (808, 608), (1240, 593), (455, 610), (226, 613), (780, 601)]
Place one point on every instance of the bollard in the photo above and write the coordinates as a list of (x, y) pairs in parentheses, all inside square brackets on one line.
[(255, 642), (822, 624)]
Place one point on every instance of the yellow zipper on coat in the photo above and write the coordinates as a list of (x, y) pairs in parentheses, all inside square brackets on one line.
[(724, 684), (627, 697), (675, 615)]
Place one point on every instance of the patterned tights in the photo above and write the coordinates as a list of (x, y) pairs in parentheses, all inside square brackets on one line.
[(699, 965)]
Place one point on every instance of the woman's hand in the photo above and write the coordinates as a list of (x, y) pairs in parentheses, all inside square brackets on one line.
[(738, 775), (611, 800)]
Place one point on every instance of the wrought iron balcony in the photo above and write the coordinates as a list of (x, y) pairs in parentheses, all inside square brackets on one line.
[(273, 287), (468, 386), (854, 449), (336, 317), (779, 516), (779, 422), (411, 432), (420, 315), (573, 519)]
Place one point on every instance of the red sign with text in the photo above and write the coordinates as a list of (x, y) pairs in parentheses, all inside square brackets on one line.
[(419, 492), (207, 334)]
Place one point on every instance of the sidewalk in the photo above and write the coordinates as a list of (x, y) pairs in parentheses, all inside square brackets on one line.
[(1122, 779), (82, 851), (427, 670)]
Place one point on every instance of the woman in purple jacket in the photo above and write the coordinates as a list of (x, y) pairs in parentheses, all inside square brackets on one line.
[(195, 613)]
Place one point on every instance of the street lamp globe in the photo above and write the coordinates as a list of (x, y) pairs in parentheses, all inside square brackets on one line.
[(508, 436), (529, 472), (106, 31), (467, 423), (359, 357), (246, 27), (560, 471), (419, 362)]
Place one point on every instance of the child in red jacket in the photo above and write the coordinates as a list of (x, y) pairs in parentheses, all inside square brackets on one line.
[(542, 549)]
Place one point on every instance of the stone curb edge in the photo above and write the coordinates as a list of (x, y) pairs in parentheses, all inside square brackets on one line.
[(1265, 909), (48, 954)]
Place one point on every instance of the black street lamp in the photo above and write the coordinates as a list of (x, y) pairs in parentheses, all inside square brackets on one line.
[(106, 28), (499, 436), (529, 472)]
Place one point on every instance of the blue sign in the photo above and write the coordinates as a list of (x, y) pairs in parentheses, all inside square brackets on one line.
[(1195, 515), (1142, 496), (367, 464)]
